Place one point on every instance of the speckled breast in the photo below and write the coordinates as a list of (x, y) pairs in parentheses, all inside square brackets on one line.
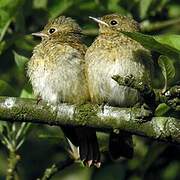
[(102, 65)]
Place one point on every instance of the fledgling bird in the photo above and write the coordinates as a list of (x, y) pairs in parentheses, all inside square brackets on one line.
[(113, 53), (57, 73)]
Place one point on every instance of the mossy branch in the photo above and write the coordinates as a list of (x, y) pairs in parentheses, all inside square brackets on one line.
[(152, 97), (104, 119)]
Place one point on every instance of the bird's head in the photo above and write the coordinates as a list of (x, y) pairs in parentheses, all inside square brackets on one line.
[(58, 27), (113, 23)]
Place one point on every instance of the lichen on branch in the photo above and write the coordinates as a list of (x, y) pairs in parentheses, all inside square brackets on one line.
[(107, 119)]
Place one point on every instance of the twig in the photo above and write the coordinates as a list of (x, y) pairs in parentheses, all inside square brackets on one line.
[(152, 97), (147, 27), (12, 166), (171, 97), (146, 91), (55, 168)]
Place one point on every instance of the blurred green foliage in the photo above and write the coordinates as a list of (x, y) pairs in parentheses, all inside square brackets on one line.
[(19, 18)]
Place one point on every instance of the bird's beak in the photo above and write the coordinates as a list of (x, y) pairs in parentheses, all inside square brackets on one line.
[(98, 21), (40, 34)]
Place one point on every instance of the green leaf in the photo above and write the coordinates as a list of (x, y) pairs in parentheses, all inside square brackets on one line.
[(87, 6), (161, 109), (26, 43), (5, 20), (173, 10), (8, 11), (143, 7), (40, 4), (172, 40), (113, 6), (57, 7), (26, 94), (6, 89), (20, 61), (170, 171), (2, 46), (2, 124), (167, 69), (152, 44)]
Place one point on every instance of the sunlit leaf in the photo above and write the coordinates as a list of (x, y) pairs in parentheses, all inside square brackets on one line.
[(173, 10), (151, 43), (40, 4), (167, 69), (172, 40), (26, 94), (161, 109), (5, 20)]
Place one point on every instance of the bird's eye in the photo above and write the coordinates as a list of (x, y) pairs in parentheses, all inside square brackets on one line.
[(113, 22), (52, 30)]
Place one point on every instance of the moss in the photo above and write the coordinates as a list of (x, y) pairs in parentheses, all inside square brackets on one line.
[(85, 113)]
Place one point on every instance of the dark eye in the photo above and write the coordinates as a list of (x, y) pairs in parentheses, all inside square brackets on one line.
[(52, 30), (113, 22)]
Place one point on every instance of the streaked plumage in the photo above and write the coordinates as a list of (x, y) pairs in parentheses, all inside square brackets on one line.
[(113, 53), (57, 73)]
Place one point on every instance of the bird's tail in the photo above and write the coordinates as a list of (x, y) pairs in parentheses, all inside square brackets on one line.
[(86, 139), (121, 145)]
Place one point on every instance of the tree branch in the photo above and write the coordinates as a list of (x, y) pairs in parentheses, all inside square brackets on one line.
[(104, 119), (148, 26)]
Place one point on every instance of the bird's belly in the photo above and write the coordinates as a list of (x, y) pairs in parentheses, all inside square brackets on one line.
[(44, 83), (59, 84), (104, 89)]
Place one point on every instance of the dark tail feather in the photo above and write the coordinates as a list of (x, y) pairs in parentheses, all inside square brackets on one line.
[(89, 148), (70, 133), (121, 145), (86, 139)]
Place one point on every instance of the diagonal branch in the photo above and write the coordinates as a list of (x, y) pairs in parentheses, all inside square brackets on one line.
[(110, 118)]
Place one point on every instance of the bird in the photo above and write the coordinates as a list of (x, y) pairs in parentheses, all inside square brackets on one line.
[(57, 73), (113, 53)]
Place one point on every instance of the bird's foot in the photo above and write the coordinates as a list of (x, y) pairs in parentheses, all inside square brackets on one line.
[(97, 164), (102, 107), (90, 163), (145, 113), (128, 80), (38, 100), (172, 97)]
